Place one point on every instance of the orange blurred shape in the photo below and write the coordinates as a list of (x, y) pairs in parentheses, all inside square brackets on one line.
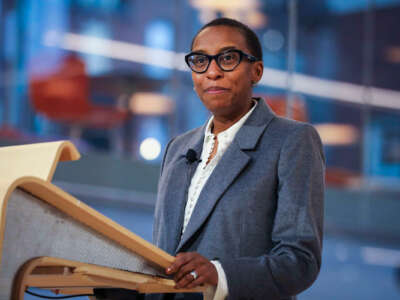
[(64, 97), (11, 133), (148, 103), (337, 134), (341, 177), (279, 104)]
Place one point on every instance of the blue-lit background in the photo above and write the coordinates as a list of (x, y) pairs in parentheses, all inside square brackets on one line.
[(109, 75)]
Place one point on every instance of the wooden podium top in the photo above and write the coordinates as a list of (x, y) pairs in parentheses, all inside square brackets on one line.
[(31, 168), (39, 160)]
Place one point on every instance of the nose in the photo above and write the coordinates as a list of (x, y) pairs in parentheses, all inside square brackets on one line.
[(214, 71)]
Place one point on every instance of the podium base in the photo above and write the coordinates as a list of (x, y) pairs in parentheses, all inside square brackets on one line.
[(75, 278)]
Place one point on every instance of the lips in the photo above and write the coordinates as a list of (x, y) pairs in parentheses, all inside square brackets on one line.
[(216, 90)]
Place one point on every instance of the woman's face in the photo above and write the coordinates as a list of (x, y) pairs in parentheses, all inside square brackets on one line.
[(225, 94)]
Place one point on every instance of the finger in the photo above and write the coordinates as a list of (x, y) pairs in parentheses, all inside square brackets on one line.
[(181, 259), (208, 273), (198, 282), (184, 281), (202, 271), (185, 269), (192, 261)]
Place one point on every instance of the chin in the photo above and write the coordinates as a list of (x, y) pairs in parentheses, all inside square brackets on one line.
[(217, 105), (220, 110), (217, 100)]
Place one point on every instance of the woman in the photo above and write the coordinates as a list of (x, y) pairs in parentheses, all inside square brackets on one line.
[(240, 199)]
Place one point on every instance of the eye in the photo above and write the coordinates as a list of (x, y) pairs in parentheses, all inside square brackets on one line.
[(198, 60), (229, 58)]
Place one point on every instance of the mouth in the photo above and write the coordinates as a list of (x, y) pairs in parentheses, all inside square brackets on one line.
[(216, 90)]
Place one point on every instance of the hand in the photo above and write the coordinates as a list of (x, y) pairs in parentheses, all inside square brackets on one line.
[(188, 262)]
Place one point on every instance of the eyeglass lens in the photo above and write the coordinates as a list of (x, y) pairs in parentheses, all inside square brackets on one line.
[(227, 61)]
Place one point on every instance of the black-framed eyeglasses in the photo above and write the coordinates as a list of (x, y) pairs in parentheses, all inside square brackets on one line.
[(227, 60)]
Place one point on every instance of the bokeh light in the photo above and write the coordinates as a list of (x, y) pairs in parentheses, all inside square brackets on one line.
[(150, 148)]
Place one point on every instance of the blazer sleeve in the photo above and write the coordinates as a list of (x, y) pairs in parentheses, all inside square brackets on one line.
[(156, 221), (293, 263)]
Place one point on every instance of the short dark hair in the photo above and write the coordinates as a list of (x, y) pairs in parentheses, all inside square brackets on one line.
[(251, 38)]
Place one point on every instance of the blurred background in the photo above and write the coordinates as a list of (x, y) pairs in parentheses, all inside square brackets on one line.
[(109, 75)]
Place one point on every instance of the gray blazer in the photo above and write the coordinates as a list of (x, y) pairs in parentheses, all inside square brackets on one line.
[(261, 211)]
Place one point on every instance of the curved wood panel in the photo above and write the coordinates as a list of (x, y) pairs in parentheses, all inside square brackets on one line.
[(83, 213), (38, 160)]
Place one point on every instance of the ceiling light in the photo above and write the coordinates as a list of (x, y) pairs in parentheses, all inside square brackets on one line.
[(308, 85), (337, 134), (245, 11), (150, 104)]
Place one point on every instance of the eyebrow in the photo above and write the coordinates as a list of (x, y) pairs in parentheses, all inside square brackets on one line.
[(219, 51)]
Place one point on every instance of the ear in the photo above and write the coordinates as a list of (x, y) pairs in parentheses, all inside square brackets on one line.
[(257, 71)]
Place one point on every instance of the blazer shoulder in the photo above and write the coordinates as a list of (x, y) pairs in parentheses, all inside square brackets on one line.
[(187, 137), (287, 127), (282, 132), (295, 134), (179, 145)]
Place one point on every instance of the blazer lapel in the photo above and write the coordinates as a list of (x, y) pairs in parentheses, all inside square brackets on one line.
[(182, 172), (234, 160)]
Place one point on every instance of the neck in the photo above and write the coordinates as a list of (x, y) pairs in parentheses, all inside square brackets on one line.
[(221, 123)]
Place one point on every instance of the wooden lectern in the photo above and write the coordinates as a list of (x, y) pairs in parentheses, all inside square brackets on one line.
[(51, 240)]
